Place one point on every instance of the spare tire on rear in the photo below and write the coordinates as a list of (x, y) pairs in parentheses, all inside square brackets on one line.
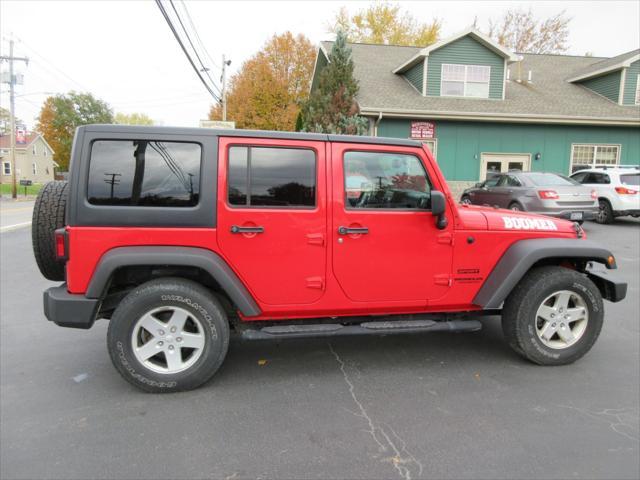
[(48, 216)]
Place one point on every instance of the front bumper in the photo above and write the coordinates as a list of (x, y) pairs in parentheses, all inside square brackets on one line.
[(611, 288), (69, 310)]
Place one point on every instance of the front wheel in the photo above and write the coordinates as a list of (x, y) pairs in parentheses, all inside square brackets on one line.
[(168, 335), (553, 316), (465, 200)]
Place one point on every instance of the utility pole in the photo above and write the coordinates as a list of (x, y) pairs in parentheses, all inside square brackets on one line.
[(225, 64), (12, 109)]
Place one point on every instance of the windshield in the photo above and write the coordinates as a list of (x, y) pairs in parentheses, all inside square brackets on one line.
[(631, 179), (551, 180)]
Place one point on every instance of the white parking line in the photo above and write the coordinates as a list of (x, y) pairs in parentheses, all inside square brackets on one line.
[(15, 226)]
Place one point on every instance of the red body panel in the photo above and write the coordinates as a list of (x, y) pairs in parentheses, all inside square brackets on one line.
[(300, 267)]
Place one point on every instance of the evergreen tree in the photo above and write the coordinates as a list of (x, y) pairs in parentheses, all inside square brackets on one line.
[(332, 107)]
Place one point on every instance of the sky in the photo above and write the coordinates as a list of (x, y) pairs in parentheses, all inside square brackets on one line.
[(125, 54)]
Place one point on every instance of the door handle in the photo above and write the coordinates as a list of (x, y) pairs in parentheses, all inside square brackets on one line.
[(237, 229), (352, 231)]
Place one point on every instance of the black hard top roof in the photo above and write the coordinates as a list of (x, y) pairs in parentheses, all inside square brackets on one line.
[(213, 132)]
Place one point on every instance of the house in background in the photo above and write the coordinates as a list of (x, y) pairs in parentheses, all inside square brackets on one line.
[(482, 109), (34, 158)]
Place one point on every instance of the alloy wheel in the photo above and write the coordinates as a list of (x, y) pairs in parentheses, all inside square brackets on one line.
[(168, 339), (561, 319)]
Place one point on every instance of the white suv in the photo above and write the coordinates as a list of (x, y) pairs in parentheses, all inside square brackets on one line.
[(617, 188)]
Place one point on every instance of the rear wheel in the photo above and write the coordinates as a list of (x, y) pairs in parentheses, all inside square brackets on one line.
[(605, 212), (516, 207), (48, 216), (168, 335), (554, 316)]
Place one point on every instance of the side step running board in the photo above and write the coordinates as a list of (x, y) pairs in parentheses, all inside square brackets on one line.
[(367, 328)]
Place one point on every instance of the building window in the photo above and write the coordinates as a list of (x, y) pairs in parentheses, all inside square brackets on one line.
[(465, 81), (6, 168), (44, 151), (638, 90), (433, 146), (34, 168), (589, 156), (34, 150)]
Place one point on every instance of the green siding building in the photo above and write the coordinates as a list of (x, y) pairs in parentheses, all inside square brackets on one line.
[(481, 108)]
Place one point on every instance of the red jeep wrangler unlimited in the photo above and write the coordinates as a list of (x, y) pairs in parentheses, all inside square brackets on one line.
[(181, 236)]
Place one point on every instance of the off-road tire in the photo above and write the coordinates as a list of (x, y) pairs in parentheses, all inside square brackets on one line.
[(187, 295), (48, 216), (605, 213), (520, 310)]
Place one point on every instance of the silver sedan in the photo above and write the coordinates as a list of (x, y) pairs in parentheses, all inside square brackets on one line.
[(536, 192)]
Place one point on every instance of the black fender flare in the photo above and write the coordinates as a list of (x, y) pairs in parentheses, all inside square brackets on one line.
[(522, 255), (202, 258)]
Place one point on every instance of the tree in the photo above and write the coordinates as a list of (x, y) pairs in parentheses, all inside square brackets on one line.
[(61, 114), (5, 121), (385, 23), (332, 107), (267, 91), (520, 31), (133, 119)]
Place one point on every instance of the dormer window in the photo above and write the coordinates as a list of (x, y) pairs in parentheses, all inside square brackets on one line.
[(465, 80)]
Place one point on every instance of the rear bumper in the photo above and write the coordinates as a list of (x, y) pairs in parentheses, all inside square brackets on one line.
[(587, 213), (69, 310)]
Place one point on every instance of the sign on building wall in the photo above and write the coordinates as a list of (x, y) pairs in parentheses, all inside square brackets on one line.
[(423, 130)]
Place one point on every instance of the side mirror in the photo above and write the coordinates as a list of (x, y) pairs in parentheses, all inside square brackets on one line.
[(479, 185), (438, 208)]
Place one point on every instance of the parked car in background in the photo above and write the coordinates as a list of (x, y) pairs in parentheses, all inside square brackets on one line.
[(617, 190), (536, 192)]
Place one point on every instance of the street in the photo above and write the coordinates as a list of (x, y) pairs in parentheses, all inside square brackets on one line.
[(406, 407), (15, 214)]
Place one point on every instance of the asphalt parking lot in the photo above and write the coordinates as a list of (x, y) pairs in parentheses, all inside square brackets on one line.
[(406, 407)]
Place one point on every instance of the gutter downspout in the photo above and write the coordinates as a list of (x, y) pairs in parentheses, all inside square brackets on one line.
[(375, 125)]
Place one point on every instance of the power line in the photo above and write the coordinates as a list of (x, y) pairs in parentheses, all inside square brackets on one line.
[(204, 69), (177, 36), (195, 30), (61, 72)]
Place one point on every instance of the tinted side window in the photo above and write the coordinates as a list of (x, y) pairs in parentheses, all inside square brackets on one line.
[(272, 177), (600, 178), (493, 181), (580, 177), (513, 181), (385, 180), (144, 173)]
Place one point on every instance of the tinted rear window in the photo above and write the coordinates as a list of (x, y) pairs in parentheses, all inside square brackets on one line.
[(631, 179), (144, 173), (272, 177), (550, 180)]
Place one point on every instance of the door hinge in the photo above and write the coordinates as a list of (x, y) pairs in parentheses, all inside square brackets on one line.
[(443, 279), (446, 238), (315, 239), (315, 282)]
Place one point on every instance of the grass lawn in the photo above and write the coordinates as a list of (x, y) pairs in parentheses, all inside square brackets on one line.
[(5, 189)]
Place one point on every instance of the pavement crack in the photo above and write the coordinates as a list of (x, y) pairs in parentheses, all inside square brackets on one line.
[(388, 441), (621, 420)]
